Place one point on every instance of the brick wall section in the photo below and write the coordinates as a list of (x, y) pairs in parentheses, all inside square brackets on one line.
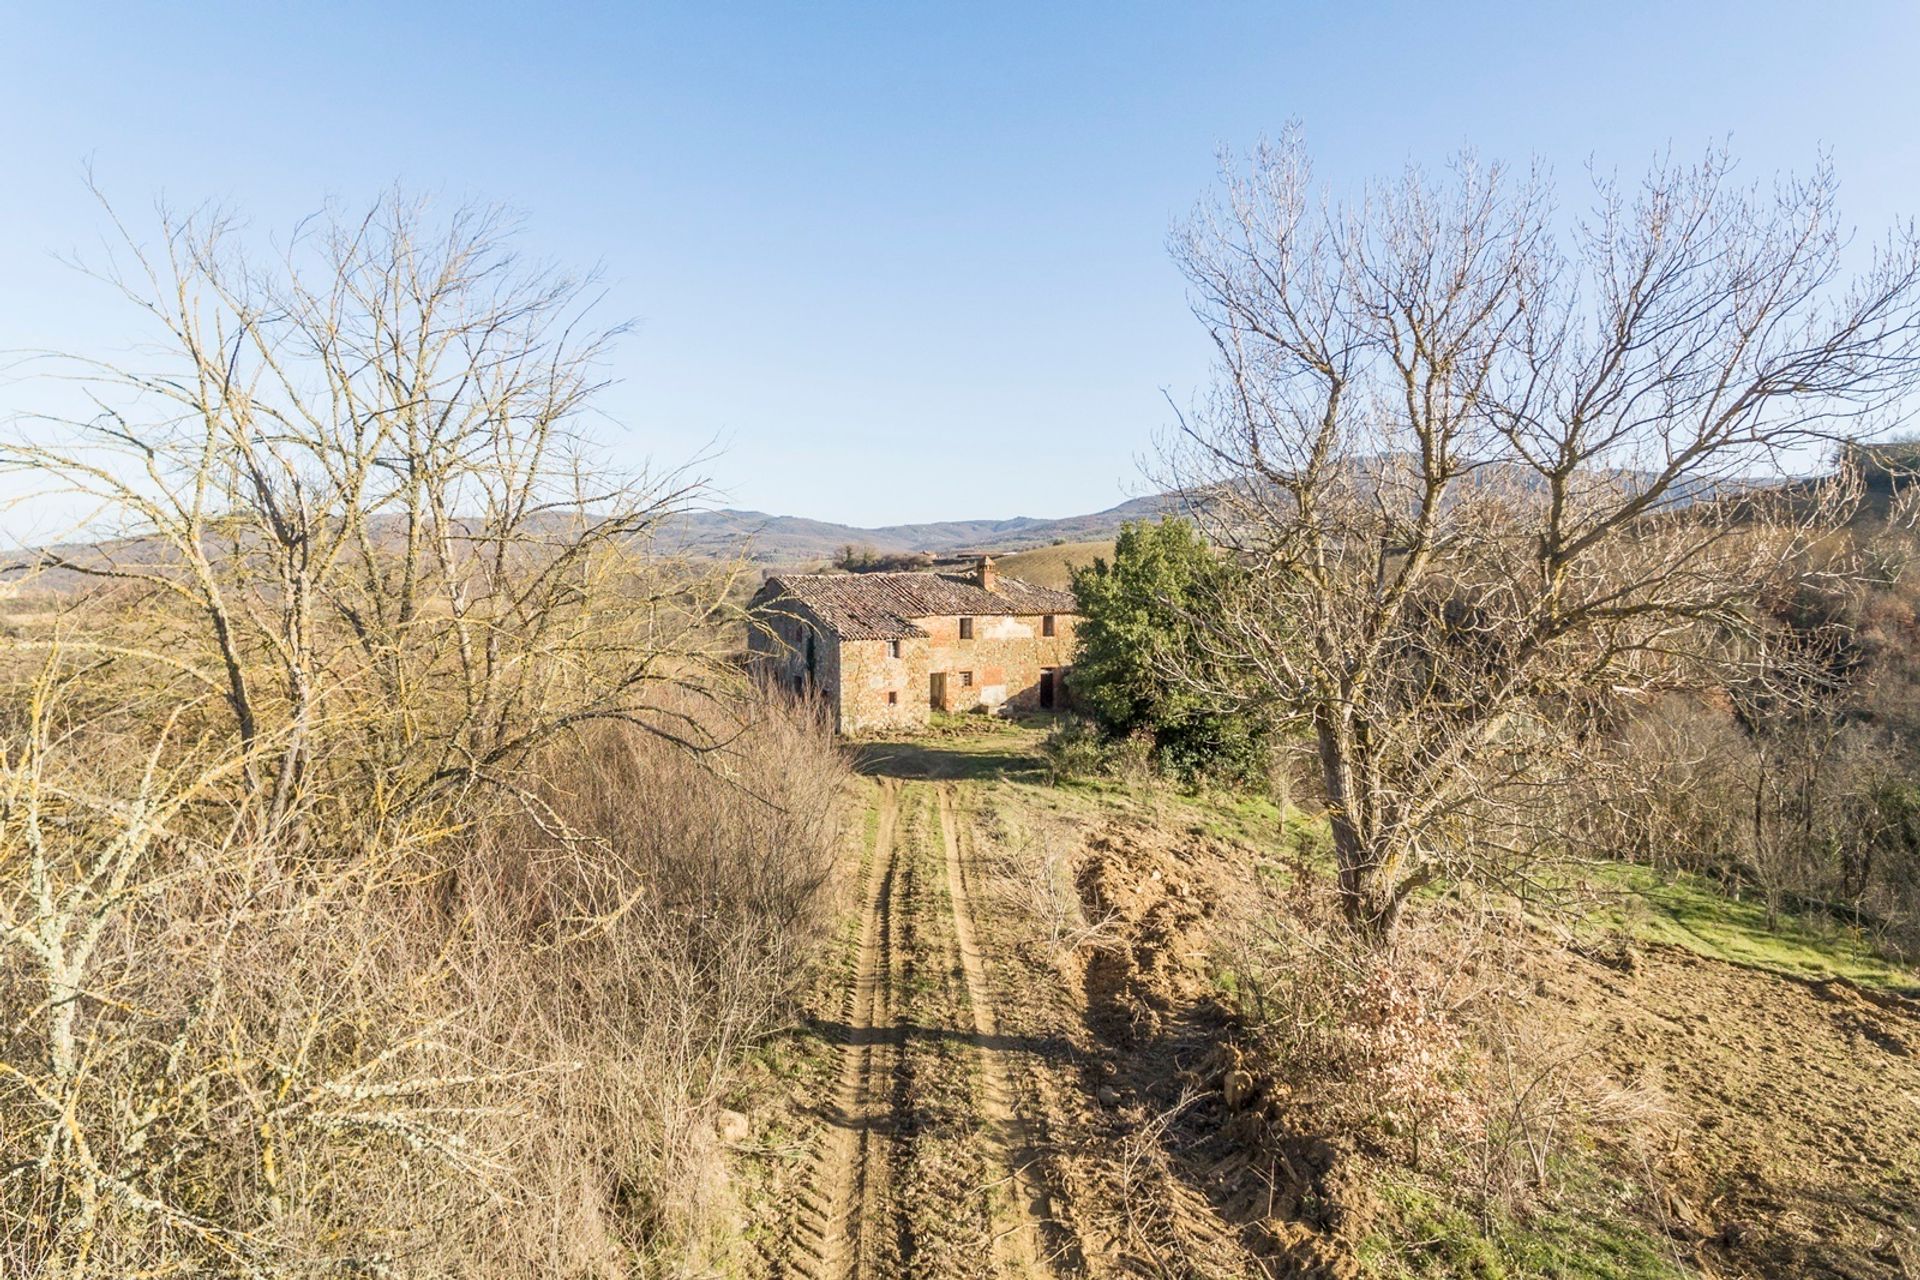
[(781, 658), (1006, 657), (869, 673)]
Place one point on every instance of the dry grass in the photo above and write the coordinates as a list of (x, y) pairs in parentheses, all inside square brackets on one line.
[(493, 1050), (1053, 566), (393, 864)]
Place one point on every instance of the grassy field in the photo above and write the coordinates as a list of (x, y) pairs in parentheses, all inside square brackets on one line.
[(1053, 566), (1691, 912)]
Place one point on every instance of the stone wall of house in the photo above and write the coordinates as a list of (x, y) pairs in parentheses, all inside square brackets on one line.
[(781, 657), (870, 672), (1000, 666)]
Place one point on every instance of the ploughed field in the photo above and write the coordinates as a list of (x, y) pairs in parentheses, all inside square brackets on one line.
[(1021, 1066)]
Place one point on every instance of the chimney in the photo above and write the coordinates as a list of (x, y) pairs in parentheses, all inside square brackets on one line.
[(984, 574)]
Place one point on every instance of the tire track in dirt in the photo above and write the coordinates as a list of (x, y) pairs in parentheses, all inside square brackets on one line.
[(838, 1227), (1024, 1239)]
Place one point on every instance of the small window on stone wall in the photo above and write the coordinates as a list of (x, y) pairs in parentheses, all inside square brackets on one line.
[(1046, 625), (966, 628), (893, 697), (893, 648), (966, 679)]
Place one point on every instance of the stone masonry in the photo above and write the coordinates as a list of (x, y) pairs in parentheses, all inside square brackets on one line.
[(888, 649)]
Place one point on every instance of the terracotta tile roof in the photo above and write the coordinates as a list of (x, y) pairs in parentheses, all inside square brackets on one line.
[(881, 606)]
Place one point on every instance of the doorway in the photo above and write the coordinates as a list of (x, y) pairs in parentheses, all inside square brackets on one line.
[(1046, 689), (937, 690)]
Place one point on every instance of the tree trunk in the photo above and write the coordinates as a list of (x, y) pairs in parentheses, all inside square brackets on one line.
[(1368, 898)]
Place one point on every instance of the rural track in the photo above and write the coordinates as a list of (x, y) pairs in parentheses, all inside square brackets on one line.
[(844, 1206), (846, 1223), (1024, 1228)]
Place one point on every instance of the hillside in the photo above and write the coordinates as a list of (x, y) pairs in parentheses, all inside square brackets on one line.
[(775, 539), (1053, 566), (1047, 547), (1075, 1087)]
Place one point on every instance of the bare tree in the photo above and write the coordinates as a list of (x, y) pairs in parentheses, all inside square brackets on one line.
[(1484, 473), (350, 482), (288, 986)]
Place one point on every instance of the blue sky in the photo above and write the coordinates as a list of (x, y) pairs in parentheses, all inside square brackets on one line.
[(900, 261)]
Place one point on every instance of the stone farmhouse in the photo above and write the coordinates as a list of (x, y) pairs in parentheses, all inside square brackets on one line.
[(887, 649)]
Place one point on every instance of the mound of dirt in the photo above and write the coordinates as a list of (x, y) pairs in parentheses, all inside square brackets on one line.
[(1154, 899), (1169, 1054), (1792, 1127)]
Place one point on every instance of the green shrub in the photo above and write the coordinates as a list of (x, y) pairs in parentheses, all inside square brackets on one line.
[(1136, 635), (1075, 749)]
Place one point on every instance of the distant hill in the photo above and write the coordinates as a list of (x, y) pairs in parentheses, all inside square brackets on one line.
[(1053, 566), (794, 539)]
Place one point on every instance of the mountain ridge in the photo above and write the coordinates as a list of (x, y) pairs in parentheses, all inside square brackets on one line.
[(777, 539)]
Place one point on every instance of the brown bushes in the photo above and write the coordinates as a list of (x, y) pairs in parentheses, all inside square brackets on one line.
[(1374, 1040), (673, 915), (1421, 1056), (489, 1049)]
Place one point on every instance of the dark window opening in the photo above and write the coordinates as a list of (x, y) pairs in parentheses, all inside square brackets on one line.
[(966, 679), (966, 628), (1046, 625), (893, 697), (893, 648)]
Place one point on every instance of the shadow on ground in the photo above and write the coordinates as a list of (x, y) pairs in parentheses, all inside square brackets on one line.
[(961, 760)]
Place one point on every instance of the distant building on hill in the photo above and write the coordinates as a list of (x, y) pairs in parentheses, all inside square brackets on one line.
[(887, 649)]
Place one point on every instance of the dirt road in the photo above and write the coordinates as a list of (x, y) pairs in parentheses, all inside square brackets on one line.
[(1025, 1238), (978, 1115), (840, 1215), (923, 1163)]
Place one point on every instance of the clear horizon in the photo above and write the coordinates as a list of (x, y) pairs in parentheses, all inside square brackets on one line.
[(898, 267)]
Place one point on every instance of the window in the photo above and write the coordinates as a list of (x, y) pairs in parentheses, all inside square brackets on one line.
[(893, 697), (893, 648), (966, 679), (966, 628), (1046, 625)]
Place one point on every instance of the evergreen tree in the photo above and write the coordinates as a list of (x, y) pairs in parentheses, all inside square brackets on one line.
[(1136, 625)]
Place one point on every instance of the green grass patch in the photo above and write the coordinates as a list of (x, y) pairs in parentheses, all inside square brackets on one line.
[(1590, 1233), (1240, 817), (1691, 911)]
